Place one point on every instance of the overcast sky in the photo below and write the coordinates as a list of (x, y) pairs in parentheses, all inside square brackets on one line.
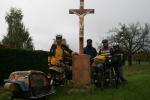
[(46, 18)]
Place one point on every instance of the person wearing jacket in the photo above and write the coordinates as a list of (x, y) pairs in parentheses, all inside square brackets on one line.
[(58, 51), (90, 50), (103, 55), (118, 62)]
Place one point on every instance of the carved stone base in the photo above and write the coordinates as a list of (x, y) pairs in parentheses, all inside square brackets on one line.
[(81, 71)]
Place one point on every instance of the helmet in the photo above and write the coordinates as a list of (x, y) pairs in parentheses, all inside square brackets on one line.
[(58, 36), (105, 41)]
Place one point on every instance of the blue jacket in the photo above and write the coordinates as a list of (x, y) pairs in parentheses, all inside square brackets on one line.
[(90, 51), (24, 87)]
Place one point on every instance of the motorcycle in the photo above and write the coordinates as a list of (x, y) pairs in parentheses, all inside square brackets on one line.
[(105, 74), (62, 72)]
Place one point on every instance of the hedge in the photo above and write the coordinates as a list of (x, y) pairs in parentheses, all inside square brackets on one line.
[(19, 60)]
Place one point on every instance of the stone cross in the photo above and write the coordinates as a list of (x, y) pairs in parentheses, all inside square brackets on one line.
[(81, 13)]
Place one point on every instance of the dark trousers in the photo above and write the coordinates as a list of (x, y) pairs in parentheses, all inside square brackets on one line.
[(119, 71)]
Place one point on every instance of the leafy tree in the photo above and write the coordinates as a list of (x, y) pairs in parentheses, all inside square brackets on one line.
[(142, 56), (17, 35), (132, 37)]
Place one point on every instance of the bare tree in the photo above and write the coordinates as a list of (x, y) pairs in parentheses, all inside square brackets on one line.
[(132, 37)]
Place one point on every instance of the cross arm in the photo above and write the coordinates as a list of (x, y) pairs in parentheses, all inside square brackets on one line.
[(81, 11)]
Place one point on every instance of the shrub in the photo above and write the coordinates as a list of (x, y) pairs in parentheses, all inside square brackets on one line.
[(18, 60)]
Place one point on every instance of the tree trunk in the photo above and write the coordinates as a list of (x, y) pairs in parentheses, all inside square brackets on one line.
[(139, 61), (130, 59)]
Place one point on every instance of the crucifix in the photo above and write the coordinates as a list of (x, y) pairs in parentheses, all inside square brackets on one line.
[(81, 13)]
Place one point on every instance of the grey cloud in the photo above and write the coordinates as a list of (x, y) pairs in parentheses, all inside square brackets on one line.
[(46, 18)]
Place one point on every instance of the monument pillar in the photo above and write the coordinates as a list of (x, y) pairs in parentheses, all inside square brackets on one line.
[(81, 62)]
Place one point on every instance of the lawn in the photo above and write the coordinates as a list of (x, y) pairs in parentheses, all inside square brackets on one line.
[(138, 88)]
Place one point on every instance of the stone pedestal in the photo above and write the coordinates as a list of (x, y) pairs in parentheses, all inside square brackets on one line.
[(81, 71)]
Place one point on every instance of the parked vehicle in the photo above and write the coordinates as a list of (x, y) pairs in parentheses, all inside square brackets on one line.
[(105, 74), (62, 72), (29, 85)]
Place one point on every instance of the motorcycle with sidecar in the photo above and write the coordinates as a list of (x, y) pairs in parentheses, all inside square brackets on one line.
[(34, 85)]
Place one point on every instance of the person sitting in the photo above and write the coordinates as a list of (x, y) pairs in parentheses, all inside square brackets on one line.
[(103, 55), (90, 50), (57, 53)]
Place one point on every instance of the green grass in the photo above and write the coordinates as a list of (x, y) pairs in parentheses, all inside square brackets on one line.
[(138, 88), (3, 95)]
